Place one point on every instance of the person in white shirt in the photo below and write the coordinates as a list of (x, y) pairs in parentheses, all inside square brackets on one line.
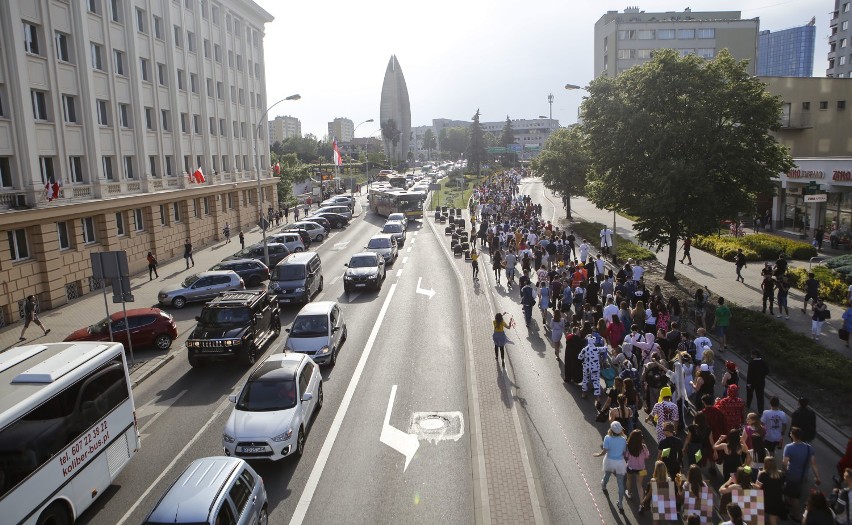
[(584, 251), (610, 309), (702, 343), (775, 422), (606, 240), (532, 239), (638, 272), (600, 268)]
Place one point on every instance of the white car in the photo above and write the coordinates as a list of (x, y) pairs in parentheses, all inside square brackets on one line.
[(274, 409), (315, 231), (339, 200), (399, 217)]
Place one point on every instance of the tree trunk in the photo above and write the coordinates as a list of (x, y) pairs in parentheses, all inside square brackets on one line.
[(672, 260), (567, 201)]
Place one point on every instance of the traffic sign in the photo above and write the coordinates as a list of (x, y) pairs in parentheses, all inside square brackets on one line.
[(499, 149)]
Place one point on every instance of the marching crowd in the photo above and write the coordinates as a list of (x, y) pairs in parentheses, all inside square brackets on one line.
[(627, 346)]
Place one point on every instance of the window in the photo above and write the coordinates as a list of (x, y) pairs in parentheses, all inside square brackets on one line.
[(103, 112), (94, 6), (626, 34), (684, 52), (665, 34), (128, 167), (138, 222), (242, 96), (220, 91), (106, 164), (706, 52), (162, 74), (189, 4), (625, 54), (69, 109), (210, 87), (206, 48), (214, 14), (257, 70), (18, 245), (45, 165), (686, 34), (149, 119), (186, 167), (212, 125), (243, 129), (224, 163), (144, 69), (75, 166), (115, 9), (166, 118), (806, 106), (843, 42), (204, 11), (184, 123), (181, 81), (844, 25), (230, 201), (842, 61), (228, 22), (162, 214), (841, 105), (97, 57), (237, 30), (119, 61), (846, 7), (221, 128), (62, 232), (217, 53), (5, 173), (193, 82), (39, 100), (241, 492), (176, 211), (63, 47), (119, 224), (245, 162), (31, 43), (152, 165), (158, 27), (190, 41), (645, 34), (141, 20), (170, 170), (707, 32), (198, 161), (124, 116), (230, 58), (88, 224), (206, 205), (2, 93), (216, 163), (236, 129), (823, 104), (233, 94), (178, 36), (196, 123)]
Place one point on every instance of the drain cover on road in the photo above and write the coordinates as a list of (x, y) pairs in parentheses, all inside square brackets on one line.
[(437, 426)]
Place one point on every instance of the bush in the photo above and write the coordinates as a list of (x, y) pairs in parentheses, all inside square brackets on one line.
[(832, 286), (756, 247), (840, 260), (624, 248)]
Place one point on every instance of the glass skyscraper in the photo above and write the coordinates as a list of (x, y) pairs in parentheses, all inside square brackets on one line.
[(786, 53)]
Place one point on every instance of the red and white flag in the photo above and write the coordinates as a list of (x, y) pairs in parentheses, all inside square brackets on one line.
[(338, 159), (277, 168), (199, 176), (52, 190)]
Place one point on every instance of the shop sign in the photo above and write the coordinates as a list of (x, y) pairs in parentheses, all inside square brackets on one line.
[(820, 197), (805, 174), (841, 175)]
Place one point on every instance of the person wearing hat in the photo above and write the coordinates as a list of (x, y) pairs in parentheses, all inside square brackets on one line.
[(732, 374), (664, 411), (614, 446), (732, 407)]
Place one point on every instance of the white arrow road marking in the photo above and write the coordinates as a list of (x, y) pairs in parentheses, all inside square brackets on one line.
[(340, 245), (403, 442), (430, 292)]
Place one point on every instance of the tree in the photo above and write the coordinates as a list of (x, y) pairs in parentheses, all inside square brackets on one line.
[(429, 141), (563, 164), (456, 142), (476, 154), (681, 143), (442, 140), (507, 138), (392, 134)]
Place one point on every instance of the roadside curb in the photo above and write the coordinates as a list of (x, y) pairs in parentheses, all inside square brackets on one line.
[(161, 362)]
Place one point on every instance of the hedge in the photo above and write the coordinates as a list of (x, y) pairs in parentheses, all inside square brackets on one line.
[(624, 248), (841, 264), (832, 286), (756, 247)]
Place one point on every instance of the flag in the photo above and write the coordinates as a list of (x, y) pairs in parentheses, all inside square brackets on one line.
[(199, 176), (338, 160), (48, 188), (190, 177), (277, 168), (51, 189)]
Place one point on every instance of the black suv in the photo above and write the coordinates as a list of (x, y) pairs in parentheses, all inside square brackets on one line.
[(234, 325), (251, 271)]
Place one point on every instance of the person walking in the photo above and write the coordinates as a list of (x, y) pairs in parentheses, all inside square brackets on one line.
[(242, 240), (768, 287), (756, 379), (664, 411), (771, 481), (497, 262), (557, 331), (606, 240), (798, 458), (740, 263), (847, 324), (687, 244), (474, 263), (782, 283), (31, 316), (811, 291), (499, 336), (286, 213), (818, 318), (775, 424), (614, 447), (804, 419), (227, 232), (527, 301), (152, 266), (637, 454), (187, 253), (721, 322), (819, 235), (544, 300)]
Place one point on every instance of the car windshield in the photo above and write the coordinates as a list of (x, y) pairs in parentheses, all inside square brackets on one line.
[(309, 326), (267, 395), (221, 316), (392, 228), (379, 243), (289, 272), (189, 281), (100, 326), (220, 266), (363, 261), (410, 205)]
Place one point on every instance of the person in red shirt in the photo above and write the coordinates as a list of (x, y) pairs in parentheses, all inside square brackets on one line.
[(732, 407), (715, 418)]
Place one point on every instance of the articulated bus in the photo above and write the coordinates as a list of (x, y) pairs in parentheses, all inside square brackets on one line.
[(392, 200), (393, 178), (67, 428)]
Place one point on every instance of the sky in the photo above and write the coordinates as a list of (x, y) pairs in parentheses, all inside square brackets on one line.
[(500, 57)]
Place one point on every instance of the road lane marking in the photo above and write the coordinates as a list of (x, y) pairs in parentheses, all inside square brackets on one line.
[(161, 409), (408, 250), (334, 281), (399, 272), (403, 442), (404, 259), (313, 480), (430, 292)]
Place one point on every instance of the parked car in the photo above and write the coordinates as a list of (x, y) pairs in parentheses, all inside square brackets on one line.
[(214, 491), (384, 245), (365, 269), (398, 217), (251, 271), (277, 251), (297, 278), (339, 200), (342, 210), (291, 239), (397, 229), (149, 327), (303, 233), (322, 221), (315, 231), (200, 287), (335, 219), (274, 408), (319, 331)]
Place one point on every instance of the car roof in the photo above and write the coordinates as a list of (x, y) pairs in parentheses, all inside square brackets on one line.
[(382, 236), (297, 258), (191, 497), (245, 260), (136, 312), (217, 272), (309, 223), (365, 254), (278, 366), (316, 308)]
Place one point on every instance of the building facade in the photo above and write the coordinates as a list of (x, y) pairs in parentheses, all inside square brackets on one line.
[(395, 113), (530, 134), (342, 129), (284, 127), (816, 127), (624, 40), (840, 41), (787, 53), (113, 104)]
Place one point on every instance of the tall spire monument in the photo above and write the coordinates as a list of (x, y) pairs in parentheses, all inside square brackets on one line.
[(395, 114)]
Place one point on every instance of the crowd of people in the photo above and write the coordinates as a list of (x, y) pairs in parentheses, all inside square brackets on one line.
[(627, 346)]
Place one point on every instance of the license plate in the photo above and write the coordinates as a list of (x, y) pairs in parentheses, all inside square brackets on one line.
[(284, 300), (360, 285), (252, 450), (211, 351)]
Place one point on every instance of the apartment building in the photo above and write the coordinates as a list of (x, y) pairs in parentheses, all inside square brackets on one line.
[(627, 39), (530, 134), (281, 128), (787, 53), (342, 129), (840, 41), (116, 103)]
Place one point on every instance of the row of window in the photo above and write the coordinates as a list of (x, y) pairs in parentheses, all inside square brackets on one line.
[(666, 34), (839, 61), (627, 54), (823, 104)]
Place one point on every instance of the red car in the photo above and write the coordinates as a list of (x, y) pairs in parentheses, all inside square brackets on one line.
[(148, 327)]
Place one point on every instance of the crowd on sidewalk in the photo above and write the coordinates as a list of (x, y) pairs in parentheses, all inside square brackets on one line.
[(629, 348)]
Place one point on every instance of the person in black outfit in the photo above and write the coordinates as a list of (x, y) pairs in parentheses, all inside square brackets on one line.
[(187, 253), (756, 380), (805, 419), (768, 287)]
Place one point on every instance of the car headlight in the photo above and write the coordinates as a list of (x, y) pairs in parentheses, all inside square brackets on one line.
[(162, 295), (191, 344), (274, 286), (283, 437), (227, 438), (299, 290), (323, 350), (374, 276)]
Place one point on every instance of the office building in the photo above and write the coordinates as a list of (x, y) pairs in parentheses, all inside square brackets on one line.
[(787, 53), (281, 128), (342, 129), (530, 134), (115, 104), (395, 113), (840, 41), (624, 40)]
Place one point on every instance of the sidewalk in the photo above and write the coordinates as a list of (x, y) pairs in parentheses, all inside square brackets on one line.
[(718, 276), (90, 308)]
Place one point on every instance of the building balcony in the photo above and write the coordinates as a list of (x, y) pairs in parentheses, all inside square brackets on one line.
[(796, 121)]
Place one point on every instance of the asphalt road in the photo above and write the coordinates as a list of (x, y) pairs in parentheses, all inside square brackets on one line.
[(181, 411)]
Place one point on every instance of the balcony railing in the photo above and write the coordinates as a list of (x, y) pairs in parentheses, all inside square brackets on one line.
[(801, 120)]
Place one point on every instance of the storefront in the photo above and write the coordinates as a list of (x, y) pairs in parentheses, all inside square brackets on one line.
[(816, 193)]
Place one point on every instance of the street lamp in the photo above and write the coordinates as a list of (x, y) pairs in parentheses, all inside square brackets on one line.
[(353, 140), (367, 156), (257, 168)]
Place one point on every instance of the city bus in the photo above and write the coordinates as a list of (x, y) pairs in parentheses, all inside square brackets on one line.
[(67, 428), (398, 181), (392, 200)]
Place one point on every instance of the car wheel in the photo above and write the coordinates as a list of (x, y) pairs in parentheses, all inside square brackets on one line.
[(276, 326), (163, 342), (263, 519), (338, 225), (254, 281), (321, 285), (298, 249), (318, 238), (333, 360), (319, 397), (300, 442), (249, 357), (194, 362), (55, 514), (179, 302)]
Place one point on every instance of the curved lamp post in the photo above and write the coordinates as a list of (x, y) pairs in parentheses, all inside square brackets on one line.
[(353, 140)]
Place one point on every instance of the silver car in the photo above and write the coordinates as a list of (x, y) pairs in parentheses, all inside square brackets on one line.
[(398, 217), (214, 490), (341, 210), (384, 245), (293, 241), (318, 331), (200, 287), (315, 231), (339, 200)]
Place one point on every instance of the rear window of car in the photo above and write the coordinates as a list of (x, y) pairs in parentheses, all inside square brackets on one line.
[(392, 228), (379, 243)]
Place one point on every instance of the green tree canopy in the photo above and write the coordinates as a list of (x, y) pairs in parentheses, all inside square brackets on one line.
[(506, 138), (476, 154), (456, 141), (429, 141), (563, 164), (681, 143)]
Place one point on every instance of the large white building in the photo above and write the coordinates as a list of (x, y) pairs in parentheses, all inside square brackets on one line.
[(281, 128), (119, 101), (530, 134), (342, 129)]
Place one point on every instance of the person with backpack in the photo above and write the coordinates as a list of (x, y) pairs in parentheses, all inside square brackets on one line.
[(840, 502)]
